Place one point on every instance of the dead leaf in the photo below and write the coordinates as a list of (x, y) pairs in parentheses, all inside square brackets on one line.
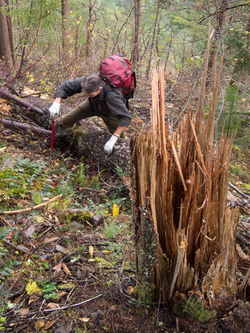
[(5, 108), (57, 268), (85, 320), (30, 231), (64, 329), (27, 91), (49, 324), (50, 240), (39, 324), (24, 311), (67, 286), (91, 251), (65, 269), (130, 290), (60, 295), (53, 306), (33, 298), (62, 249)]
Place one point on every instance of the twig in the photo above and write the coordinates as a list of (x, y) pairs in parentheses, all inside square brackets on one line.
[(17, 248), (237, 190), (31, 208), (71, 306)]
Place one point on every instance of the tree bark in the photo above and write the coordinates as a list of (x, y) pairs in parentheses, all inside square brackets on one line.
[(90, 27), (135, 52), (220, 19), (26, 127), (5, 49), (65, 26)]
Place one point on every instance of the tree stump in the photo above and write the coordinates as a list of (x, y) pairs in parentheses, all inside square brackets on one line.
[(184, 234)]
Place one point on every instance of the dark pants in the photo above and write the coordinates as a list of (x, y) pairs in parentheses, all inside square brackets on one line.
[(83, 111)]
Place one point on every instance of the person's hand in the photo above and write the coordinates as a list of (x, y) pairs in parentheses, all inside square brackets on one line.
[(108, 148), (54, 109)]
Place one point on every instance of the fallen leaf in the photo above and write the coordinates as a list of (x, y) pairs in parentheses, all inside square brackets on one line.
[(60, 295), (32, 288), (85, 320), (65, 269), (53, 306), (49, 324), (130, 290), (62, 249), (39, 324), (30, 231), (24, 311), (50, 240), (91, 251), (64, 329), (67, 286), (33, 298), (115, 210), (57, 268)]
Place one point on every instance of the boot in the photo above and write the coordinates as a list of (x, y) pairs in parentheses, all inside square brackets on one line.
[(59, 132)]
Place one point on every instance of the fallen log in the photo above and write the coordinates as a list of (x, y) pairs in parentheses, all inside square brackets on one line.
[(20, 101), (89, 140), (85, 138), (16, 124)]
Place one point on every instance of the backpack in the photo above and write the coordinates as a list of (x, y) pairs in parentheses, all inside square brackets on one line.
[(117, 71)]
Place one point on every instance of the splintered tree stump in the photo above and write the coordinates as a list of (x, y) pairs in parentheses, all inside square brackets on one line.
[(185, 235)]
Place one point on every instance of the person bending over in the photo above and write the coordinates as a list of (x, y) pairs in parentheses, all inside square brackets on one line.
[(102, 100)]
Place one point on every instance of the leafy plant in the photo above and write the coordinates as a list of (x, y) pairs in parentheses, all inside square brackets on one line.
[(49, 289), (111, 229), (6, 267)]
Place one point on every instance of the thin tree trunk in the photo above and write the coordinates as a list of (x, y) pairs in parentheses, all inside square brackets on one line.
[(65, 27), (221, 13), (135, 56), (5, 49), (153, 40), (90, 28)]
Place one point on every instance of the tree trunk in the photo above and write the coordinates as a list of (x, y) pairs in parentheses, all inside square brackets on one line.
[(183, 231), (135, 51), (65, 26), (90, 28), (220, 18), (153, 40), (5, 49)]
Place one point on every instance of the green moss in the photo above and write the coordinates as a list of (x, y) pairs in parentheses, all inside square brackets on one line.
[(194, 307), (79, 216), (78, 132)]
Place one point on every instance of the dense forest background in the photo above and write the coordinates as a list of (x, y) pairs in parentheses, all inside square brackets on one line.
[(46, 42)]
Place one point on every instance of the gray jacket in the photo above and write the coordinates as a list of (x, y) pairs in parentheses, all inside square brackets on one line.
[(110, 100)]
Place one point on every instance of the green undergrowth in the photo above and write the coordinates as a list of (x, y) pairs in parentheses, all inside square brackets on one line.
[(239, 168), (33, 180)]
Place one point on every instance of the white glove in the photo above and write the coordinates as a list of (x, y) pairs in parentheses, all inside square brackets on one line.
[(109, 145), (54, 109)]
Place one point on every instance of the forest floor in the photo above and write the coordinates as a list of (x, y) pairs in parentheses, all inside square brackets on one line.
[(75, 271)]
